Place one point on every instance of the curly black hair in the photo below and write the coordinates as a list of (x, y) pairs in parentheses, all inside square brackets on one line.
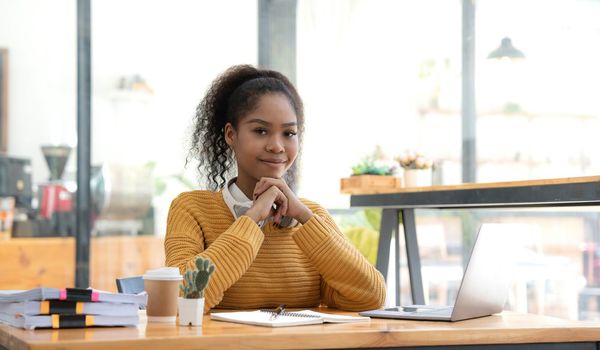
[(230, 97)]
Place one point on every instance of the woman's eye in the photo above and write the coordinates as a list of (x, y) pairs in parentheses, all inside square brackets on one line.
[(260, 131), (290, 133)]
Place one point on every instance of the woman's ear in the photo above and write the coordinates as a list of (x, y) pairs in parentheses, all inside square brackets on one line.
[(230, 134)]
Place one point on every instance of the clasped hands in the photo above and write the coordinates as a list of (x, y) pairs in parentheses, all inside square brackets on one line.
[(273, 198)]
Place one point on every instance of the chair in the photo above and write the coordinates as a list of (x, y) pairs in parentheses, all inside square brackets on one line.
[(130, 285)]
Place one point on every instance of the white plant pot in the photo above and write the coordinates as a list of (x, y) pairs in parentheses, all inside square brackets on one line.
[(417, 177), (191, 311)]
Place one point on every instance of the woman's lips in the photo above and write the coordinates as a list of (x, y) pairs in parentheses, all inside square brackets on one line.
[(273, 162)]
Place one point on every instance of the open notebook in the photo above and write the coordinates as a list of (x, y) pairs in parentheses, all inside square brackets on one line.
[(286, 319)]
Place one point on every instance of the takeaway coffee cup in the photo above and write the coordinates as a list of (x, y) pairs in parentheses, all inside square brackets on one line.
[(162, 286)]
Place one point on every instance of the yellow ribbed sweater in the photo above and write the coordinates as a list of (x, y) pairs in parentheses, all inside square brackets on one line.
[(302, 266)]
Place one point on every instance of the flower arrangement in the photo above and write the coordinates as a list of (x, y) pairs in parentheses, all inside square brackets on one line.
[(414, 160), (375, 164)]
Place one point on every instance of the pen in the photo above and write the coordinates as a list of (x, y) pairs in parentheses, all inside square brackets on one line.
[(280, 309)]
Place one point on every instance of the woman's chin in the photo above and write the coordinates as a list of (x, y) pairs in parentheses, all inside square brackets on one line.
[(272, 174)]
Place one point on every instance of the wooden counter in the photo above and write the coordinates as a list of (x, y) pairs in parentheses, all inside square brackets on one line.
[(507, 328), (50, 262)]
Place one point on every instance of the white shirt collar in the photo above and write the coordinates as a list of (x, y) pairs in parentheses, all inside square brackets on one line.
[(237, 194), (236, 200)]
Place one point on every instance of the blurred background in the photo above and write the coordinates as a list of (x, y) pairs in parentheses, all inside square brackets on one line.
[(380, 73)]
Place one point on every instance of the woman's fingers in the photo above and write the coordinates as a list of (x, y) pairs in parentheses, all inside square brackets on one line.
[(261, 186), (266, 182), (282, 198), (281, 202), (284, 206), (271, 203)]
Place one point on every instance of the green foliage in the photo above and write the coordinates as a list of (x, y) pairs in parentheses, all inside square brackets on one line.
[(160, 185), (377, 163), (512, 108), (368, 166), (362, 230), (365, 240), (373, 216), (195, 281)]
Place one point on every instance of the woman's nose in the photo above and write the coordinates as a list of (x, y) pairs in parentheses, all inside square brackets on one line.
[(275, 145)]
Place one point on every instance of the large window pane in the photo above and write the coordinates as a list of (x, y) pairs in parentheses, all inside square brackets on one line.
[(151, 64), (376, 72), (537, 117)]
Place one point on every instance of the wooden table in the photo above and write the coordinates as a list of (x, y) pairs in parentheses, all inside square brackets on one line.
[(580, 191), (513, 330)]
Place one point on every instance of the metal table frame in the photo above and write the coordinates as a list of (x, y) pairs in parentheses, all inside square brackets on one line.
[(578, 191)]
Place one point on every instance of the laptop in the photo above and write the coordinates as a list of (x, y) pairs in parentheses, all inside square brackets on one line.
[(484, 286)]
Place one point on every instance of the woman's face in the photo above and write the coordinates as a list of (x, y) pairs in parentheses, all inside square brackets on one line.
[(266, 141)]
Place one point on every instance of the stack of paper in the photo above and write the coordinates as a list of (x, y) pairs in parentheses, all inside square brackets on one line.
[(69, 308)]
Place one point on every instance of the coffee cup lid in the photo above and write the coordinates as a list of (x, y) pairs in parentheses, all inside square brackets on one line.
[(163, 274)]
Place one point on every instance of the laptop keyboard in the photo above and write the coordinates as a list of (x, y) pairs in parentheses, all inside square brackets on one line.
[(447, 311), (442, 311)]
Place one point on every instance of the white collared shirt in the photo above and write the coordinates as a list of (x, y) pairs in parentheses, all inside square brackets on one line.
[(237, 201)]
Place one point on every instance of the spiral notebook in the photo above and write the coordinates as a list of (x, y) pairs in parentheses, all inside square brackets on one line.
[(286, 319)]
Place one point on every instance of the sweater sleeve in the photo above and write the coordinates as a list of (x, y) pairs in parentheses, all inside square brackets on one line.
[(350, 282), (232, 252)]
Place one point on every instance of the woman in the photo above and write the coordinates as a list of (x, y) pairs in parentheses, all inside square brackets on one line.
[(269, 247)]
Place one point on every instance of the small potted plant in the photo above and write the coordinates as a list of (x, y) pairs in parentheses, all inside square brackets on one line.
[(191, 305), (417, 169), (373, 174)]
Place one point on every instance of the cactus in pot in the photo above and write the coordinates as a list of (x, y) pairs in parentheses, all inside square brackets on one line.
[(195, 281), (191, 305)]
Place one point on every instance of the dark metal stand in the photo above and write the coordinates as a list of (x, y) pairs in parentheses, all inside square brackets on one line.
[(389, 228), (413, 257), (539, 346), (569, 193)]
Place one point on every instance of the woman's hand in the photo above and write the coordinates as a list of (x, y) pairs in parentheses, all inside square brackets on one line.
[(271, 202), (294, 207)]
